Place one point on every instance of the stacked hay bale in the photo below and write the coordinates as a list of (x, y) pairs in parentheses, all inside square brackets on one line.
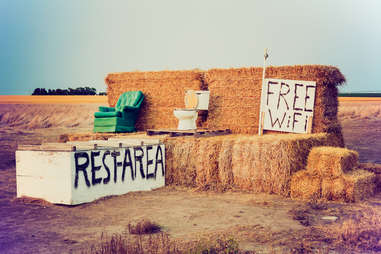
[(236, 94), (163, 90), (332, 174), (245, 162), (376, 169)]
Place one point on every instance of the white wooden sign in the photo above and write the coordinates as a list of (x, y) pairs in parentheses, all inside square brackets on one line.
[(75, 177), (287, 105)]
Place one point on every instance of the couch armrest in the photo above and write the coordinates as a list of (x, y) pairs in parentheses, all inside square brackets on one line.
[(130, 108), (106, 109)]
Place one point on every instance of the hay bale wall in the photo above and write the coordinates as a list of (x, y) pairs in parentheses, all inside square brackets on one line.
[(163, 90), (234, 95), (254, 163)]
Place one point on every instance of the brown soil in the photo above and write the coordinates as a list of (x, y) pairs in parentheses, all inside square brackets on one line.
[(259, 222)]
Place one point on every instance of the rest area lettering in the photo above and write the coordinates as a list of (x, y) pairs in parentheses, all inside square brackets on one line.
[(118, 166)]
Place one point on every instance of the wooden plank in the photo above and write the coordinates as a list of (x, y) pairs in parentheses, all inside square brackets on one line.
[(47, 147), (213, 133), (135, 141), (29, 147), (196, 133), (261, 124), (309, 125), (94, 144), (58, 147)]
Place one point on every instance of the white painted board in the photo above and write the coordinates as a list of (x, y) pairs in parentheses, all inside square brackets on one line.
[(75, 177), (287, 105)]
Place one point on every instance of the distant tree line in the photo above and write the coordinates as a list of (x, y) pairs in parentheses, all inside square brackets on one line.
[(375, 94), (70, 91)]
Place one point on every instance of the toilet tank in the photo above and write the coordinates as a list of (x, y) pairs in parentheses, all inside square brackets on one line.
[(203, 100)]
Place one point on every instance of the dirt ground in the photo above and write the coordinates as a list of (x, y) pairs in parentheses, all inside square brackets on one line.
[(259, 222)]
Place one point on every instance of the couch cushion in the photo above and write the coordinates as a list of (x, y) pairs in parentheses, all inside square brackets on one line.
[(107, 114)]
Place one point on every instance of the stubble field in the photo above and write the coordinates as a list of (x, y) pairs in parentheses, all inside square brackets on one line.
[(258, 222)]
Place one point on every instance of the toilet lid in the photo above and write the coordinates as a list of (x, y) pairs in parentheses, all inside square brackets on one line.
[(191, 99)]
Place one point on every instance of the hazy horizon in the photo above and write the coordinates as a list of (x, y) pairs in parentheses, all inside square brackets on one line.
[(62, 44)]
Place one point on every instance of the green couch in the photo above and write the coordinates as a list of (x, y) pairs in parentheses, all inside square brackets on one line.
[(122, 118)]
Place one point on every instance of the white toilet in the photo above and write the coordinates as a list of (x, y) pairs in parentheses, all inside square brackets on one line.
[(194, 101)]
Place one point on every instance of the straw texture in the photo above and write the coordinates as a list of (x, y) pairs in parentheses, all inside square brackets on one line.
[(234, 96), (374, 168), (359, 184), (332, 173), (254, 163), (163, 90), (243, 162), (331, 162), (305, 185)]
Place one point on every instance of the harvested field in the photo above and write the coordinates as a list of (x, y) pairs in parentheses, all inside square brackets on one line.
[(259, 222), (56, 99), (361, 122)]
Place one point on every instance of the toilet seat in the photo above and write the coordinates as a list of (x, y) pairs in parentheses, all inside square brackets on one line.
[(191, 100)]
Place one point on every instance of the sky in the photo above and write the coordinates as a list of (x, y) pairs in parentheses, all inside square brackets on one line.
[(73, 43)]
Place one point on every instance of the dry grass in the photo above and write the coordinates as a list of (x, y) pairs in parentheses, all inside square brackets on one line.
[(143, 227), (361, 232), (360, 110), (359, 99), (162, 244), (34, 116), (52, 99), (357, 229)]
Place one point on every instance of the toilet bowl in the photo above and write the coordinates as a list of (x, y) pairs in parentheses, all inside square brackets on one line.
[(194, 101), (187, 118)]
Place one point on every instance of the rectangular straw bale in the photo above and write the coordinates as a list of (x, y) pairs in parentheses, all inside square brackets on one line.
[(374, 168), (208, 176), (225, 163), (163, 92), (333, 189), (266, 163), (305, 186), (180, 161), (331, 162), (359, 184), (254, 163)]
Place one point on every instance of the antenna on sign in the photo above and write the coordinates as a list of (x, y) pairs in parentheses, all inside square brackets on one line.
[(262, 114), (264, 64)]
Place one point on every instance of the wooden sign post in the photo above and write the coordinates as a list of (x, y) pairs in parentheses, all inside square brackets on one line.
[(261, 115)]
